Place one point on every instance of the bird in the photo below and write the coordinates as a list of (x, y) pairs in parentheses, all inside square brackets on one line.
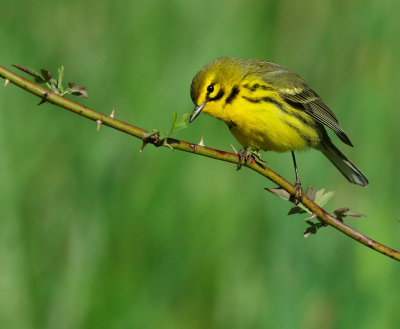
[(268, 107)]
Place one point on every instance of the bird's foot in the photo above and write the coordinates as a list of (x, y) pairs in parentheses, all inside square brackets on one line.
[(245, 154), (298, 194)]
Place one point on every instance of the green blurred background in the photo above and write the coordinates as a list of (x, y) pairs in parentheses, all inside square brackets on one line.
[(94, 234)]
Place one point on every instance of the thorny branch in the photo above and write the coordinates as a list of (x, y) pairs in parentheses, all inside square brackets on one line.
[(154, 138)]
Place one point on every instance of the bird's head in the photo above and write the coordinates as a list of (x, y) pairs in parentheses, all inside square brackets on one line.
[(213, 84)]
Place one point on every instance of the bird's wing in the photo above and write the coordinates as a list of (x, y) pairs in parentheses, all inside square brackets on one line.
[(295, 91)]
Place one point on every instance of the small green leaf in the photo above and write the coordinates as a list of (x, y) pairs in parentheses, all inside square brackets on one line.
[(28, 70), (341, 211), (179, 123), (321, 198), (302, 209), (344, 212), (56, 86), (174, 117), (278, 191), (311, 192), (297, 210), (78, 90), (354, 214), (312, 229), (182, 122), (60, 81), (32, 72)]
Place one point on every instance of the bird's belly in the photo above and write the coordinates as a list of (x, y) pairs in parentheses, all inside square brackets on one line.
[(275, 132)]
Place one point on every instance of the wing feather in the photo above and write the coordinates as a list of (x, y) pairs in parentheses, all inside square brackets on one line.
[(295, 91)]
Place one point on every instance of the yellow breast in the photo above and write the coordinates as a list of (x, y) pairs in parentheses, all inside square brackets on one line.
[(264, 121)]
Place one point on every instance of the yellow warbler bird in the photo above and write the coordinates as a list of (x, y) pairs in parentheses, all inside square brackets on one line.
[(268, 107)]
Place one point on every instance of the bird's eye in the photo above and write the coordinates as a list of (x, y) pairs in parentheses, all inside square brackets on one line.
[(210, 88)]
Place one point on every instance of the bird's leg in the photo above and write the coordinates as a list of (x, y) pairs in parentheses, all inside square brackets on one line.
[(298, 192)]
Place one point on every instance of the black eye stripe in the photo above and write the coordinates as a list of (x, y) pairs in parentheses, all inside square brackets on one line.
[(220, 94)]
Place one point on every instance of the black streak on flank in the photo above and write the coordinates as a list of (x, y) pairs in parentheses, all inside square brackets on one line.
[(304, 137), (282, 108), (232, 95), (265, 99), (252, 100), (273, 101)]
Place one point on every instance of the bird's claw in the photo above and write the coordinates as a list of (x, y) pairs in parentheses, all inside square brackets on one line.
[(244, 156), (298, 194)]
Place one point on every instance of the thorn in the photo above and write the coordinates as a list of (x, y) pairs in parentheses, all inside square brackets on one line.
[(99, 122), (201, 143), (143, 145), (166, 144), (311, 217), (43, 99), (112, 113), (6, 82), (234, 150)]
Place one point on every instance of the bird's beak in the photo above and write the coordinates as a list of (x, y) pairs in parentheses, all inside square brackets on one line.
[(197, 111)]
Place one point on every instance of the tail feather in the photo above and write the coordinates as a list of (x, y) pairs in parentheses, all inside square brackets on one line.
[(349, 170)]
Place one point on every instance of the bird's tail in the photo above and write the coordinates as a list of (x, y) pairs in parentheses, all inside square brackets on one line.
[(348, 170)]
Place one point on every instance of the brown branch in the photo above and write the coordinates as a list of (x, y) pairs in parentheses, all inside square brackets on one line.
[(147, 137)]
